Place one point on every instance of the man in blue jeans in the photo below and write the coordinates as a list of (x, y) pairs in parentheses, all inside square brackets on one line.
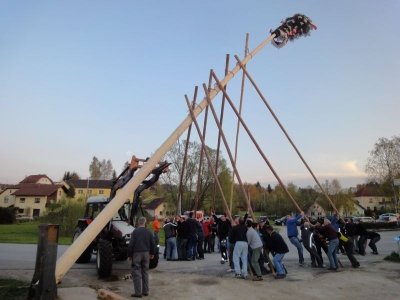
[(292, 232), (278, 248)]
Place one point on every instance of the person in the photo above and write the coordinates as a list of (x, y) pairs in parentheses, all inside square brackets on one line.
[(278, 248), (182, 237), (156, 228), (192, 237), (170, 240), (349, 231), (200, 239), (207, 234), (292, 232), (347, 244), (374, 237), (140, 251), (256, 245), (223, 227), (307, 236), (363, 237), (240, 250), (330, 234)]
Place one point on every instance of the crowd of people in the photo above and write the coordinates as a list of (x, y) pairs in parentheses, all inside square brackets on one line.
[(245, 244)]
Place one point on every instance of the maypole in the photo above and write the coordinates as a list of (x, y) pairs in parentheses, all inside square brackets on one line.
[(69, 257)]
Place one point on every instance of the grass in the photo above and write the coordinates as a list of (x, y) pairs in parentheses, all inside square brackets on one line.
[(25, 233), (11, 289), (395, 257)]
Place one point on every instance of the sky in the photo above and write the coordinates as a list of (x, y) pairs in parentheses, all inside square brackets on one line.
[(107, 78)]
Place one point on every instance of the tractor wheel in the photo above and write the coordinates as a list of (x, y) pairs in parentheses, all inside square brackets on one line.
[(104, 258), (87, 254)]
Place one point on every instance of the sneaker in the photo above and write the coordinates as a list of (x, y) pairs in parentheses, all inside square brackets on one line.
[(230, 270), (222, 261), (238, 276), (332, 269), (280, 276), (245, 277), (376, 253), (258, 278)]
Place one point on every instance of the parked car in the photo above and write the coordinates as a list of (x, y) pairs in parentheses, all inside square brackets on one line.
[(388, 217), (363, 219), (281, 221)]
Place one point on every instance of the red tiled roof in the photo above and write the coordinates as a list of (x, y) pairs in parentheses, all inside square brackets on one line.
[(92, 184), (35, 178), (368, 190), (154, 204), (30, 189)]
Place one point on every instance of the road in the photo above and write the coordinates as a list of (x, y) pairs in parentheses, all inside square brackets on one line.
[(208, 279)]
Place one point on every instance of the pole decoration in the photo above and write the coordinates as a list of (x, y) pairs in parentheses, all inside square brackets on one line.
[(291, 29)]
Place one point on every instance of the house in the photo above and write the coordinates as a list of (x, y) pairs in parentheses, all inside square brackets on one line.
[(369, 196), (315, 210), (156, 207), (85, 188), (32, 195)]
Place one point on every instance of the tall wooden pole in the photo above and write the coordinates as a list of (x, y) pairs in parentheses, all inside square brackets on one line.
[(285, 133), (69, 257), (227, 211), (180, 190), (246, 50), (257, 146), (221, 118), (222, 134)]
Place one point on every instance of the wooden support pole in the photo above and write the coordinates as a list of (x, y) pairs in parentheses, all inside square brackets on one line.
[(221, 118), (227, 211), (180, 191), (257, 146), (221, 133), (246, 50), (285, 132), (69, 257)]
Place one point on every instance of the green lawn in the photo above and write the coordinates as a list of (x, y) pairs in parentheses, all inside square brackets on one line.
[(24, 233), (11, 289)]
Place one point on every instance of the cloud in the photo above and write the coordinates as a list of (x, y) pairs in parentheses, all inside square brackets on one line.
[(350, 168)]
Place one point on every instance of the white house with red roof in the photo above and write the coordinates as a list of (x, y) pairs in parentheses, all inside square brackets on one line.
[(32, 195)]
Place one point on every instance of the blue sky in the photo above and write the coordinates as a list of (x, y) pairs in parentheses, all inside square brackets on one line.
[(108, 78)]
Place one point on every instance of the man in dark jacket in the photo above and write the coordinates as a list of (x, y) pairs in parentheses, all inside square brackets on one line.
[(140, 251), (223, 227), (192, 237), (278, 248), (307, 236), (374, 238)]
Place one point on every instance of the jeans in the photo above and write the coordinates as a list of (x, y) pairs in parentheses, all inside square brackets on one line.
[(240, 253), (140, 272), (172, 252), (332, 253), (280, 270), (255, 256), (295, 241), (192, 247)]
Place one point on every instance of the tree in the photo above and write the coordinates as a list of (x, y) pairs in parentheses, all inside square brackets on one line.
[(383, 164), (70, 176), (189, 181), (100, 169), (95, 168)]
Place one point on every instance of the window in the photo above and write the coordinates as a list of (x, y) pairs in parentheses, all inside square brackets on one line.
[(101, 192), (37, 200), (20, 210), (80, 192), (160, 212), (6, 199), (36, 212), (370, 200), (21, 200), (89, 192)]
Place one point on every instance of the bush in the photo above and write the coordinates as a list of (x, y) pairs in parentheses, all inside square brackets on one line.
[(7, 215), (66, 214), (393, 257)]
